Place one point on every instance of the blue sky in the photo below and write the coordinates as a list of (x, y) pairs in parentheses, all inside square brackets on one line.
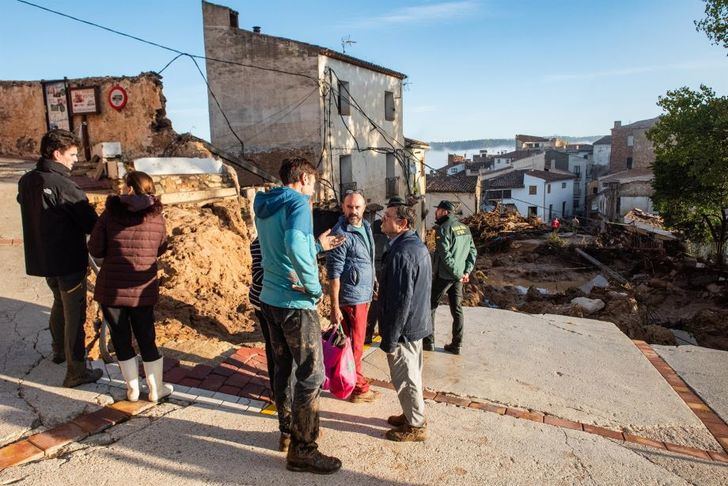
[(477, 69)]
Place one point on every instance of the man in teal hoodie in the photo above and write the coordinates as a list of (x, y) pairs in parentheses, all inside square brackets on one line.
[(291, 291)]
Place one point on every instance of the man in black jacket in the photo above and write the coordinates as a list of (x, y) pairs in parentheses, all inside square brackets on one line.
[(56, 219), (404, 297)]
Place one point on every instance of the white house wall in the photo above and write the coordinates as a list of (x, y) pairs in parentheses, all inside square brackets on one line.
[(601, 155), (627, 203), (522, 199), (367, 88)]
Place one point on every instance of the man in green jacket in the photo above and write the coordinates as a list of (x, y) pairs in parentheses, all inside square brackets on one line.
[(454, 259)]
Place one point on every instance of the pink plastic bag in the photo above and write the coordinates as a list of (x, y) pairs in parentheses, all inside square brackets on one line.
[(339, 365)]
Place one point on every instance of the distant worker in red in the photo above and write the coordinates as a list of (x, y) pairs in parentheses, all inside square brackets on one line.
[(555, 225)]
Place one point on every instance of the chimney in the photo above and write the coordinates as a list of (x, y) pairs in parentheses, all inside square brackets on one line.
[(617, 124), (256, 29)]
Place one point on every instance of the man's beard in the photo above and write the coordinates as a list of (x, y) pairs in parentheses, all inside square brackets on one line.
[(354, 219)]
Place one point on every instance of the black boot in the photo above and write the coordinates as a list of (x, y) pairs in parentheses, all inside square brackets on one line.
[(77, 374), (452, 348), (311, 461)]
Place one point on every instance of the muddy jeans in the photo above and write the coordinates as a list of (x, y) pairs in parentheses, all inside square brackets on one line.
[(454, 289), (68, 315), (270, 358), (295, 336)]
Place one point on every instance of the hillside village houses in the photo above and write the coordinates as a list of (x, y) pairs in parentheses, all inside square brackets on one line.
[(534, 193), (343, 113), (606, 179)]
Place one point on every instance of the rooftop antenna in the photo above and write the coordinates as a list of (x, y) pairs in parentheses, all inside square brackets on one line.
[(346, 41)]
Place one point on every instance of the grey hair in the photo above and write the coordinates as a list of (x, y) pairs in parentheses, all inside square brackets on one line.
[(406, 213)]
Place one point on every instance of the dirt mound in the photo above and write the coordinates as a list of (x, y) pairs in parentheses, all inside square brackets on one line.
[(710, 328), (205, 276), (206, 273)]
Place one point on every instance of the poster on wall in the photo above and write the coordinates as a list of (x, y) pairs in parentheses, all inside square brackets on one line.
[(85, 100), (55, 95)]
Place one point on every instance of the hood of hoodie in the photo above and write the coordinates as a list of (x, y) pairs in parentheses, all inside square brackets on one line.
[(268, 203), (130, 209)]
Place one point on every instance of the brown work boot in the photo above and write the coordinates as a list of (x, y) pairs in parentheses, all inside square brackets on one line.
[(397, 420), (284, 442), (407, 433), (77, 374), (311, 461), (366, 397)]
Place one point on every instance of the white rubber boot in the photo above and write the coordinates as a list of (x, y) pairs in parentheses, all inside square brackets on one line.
[(157, 388), (130, 372)]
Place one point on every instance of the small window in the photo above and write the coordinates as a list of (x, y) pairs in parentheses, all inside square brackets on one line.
[(630, 141), (532, 190), (563, 185), (576, 203), (506, 194), (344, 103), (233, 19), (577, 169), (532, 211), (345, 169), (629, 162), (548, 189), (389, 106), (391, 164)]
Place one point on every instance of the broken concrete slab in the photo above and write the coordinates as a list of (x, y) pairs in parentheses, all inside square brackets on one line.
[(704, 370), (578, 369)]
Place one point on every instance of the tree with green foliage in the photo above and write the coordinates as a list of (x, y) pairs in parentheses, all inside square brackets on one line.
[(715, 23), (691, 165)]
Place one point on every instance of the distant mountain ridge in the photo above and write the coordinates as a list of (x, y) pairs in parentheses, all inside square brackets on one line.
[(458, 145)]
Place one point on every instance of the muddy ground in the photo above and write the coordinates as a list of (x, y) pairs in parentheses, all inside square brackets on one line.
[(522, 267)]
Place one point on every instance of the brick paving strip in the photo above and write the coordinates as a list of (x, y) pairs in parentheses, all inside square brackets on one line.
[(710, 419), (11, 242), (240, 383)]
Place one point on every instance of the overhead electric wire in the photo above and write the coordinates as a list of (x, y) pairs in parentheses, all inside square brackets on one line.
[(162, 46), (194, 58)]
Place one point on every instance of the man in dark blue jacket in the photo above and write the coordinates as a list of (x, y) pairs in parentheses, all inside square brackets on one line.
[(350, 269), (56, 219), (404, 296)]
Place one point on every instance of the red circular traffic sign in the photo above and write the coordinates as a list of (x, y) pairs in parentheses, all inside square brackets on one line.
[(118, 97)]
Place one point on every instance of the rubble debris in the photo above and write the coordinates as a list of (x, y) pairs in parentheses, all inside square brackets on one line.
[(603, 267), (647, 286), (590, 306), (598, 281)]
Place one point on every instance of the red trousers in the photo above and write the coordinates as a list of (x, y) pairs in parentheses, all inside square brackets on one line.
[(355, 327)]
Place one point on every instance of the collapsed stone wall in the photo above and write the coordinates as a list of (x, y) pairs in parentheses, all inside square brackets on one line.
[(141, 126)]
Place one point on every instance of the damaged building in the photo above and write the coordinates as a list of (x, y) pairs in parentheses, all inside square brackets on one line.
[(628, 184), (285, 98), (140, 125)]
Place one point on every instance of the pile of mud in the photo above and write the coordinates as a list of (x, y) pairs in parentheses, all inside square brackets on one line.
[(204, 276), (206, 272)]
